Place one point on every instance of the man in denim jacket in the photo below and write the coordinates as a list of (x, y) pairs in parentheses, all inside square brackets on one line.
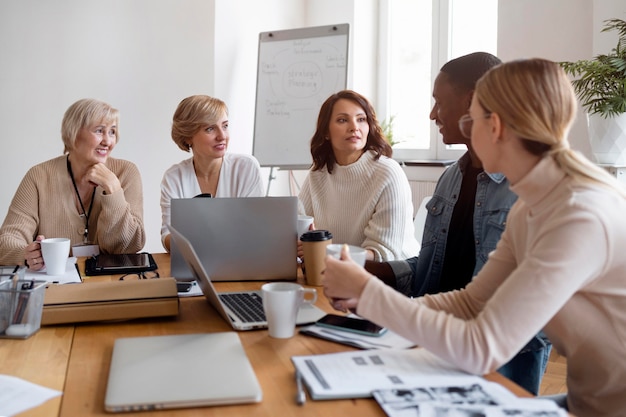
[(466, 215)]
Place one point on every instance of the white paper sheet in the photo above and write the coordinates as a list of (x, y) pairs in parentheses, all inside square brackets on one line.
[(17, 395), (71, 275)]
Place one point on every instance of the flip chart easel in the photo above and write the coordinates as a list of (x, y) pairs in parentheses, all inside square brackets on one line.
[(298, 69)]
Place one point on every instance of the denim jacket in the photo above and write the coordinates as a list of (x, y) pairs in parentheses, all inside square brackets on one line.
[(492, 204)]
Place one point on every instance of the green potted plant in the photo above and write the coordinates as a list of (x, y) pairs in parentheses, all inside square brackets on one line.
[(387, 127), (600, 84)]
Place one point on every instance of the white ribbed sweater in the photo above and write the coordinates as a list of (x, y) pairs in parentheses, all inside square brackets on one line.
[(367, 203)]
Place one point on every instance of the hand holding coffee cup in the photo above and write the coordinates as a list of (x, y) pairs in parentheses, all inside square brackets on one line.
[(55, 252), (33, 256), (357, 253), (281, 302), (344, 263)]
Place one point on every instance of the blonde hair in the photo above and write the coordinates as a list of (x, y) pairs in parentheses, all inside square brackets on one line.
[(193, 114), (536, 100), (85, 113)]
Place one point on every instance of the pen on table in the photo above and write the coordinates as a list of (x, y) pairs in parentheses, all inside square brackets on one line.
[(300, 395), (78, 271)]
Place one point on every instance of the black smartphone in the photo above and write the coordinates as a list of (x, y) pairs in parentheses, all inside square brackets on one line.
[(351, 324), (183, 286)]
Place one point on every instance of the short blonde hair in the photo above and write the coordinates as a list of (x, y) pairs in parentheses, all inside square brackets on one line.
[(193, 114), (536, 100), (84, 113)]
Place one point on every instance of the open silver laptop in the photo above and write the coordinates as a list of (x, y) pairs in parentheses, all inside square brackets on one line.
[(176, 371), (244, 309), (238, 239)]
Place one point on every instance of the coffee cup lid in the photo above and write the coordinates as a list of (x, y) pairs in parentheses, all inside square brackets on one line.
[(316, 235)]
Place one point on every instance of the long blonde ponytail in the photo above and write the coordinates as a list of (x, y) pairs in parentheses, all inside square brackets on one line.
[(535, 98)]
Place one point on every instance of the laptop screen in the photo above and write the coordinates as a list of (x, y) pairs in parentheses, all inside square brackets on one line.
[(238, 239)]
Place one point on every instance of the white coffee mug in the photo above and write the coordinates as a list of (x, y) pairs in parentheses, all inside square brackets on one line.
[(304, 222), (281, 302), (55, 252), (357, 253)]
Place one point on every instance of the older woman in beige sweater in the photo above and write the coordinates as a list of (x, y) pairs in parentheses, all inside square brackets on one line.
[(84, 195)]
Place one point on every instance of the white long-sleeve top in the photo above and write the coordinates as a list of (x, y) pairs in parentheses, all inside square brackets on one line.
[(559, 266), (367, 203), (240, 176)]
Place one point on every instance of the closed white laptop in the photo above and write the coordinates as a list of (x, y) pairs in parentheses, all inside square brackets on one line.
[(179, 371), (238, 239), (224, 302)]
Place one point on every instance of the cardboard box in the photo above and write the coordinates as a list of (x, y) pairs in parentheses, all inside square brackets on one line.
[(110, 300)]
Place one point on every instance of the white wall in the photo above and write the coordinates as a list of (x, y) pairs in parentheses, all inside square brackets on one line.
[(144, 56), (140, 58), (560, 30)]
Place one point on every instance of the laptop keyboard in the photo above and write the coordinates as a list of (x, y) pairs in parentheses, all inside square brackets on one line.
[(247, 306)]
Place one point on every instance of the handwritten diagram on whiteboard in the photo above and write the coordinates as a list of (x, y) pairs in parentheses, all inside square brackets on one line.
[(297, 71)]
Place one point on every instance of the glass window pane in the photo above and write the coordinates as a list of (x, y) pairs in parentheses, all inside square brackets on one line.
[(409, 72), (410, 76)]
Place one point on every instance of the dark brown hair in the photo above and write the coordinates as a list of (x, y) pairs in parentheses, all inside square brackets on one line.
[(321, 148)]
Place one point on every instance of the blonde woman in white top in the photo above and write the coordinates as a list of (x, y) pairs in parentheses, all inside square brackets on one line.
[(200, 126)]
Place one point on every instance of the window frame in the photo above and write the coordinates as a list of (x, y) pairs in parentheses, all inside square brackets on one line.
[(440, 54)]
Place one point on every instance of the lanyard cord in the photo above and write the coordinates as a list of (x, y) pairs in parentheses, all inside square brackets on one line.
[(93, 197)]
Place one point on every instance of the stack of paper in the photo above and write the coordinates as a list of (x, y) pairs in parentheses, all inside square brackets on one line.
[(71, 274), (357, 374), (480, 399), (413, 382)]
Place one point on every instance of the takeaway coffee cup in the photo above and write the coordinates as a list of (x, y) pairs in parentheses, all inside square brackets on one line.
[(281, 302), (55, 252), (314, 244), (357, 253)]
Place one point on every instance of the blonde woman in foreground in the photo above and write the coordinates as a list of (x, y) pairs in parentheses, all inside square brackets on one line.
[(560, 256)]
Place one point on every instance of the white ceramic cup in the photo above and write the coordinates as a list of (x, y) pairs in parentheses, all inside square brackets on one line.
[(55, 252), (356, 253), (303, 224), (281, 302)]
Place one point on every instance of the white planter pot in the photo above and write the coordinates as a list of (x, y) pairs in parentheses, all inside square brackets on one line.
[(608, 138)]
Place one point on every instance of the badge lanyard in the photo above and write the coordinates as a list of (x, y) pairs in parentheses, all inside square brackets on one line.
[(93, 197)]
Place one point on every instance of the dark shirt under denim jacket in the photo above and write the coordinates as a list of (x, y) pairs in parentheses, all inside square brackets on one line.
[(421, 274)]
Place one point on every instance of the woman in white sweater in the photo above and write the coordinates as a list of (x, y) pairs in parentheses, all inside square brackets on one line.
[(200, 125), (560, 263), (354, 189)]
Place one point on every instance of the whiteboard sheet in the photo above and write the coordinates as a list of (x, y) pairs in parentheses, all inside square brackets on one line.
[(298, 70)]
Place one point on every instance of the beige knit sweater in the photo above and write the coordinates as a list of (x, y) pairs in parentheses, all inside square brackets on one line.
[(44, 205)]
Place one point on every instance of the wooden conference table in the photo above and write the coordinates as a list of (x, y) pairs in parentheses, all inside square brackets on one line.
[(75, 359)]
